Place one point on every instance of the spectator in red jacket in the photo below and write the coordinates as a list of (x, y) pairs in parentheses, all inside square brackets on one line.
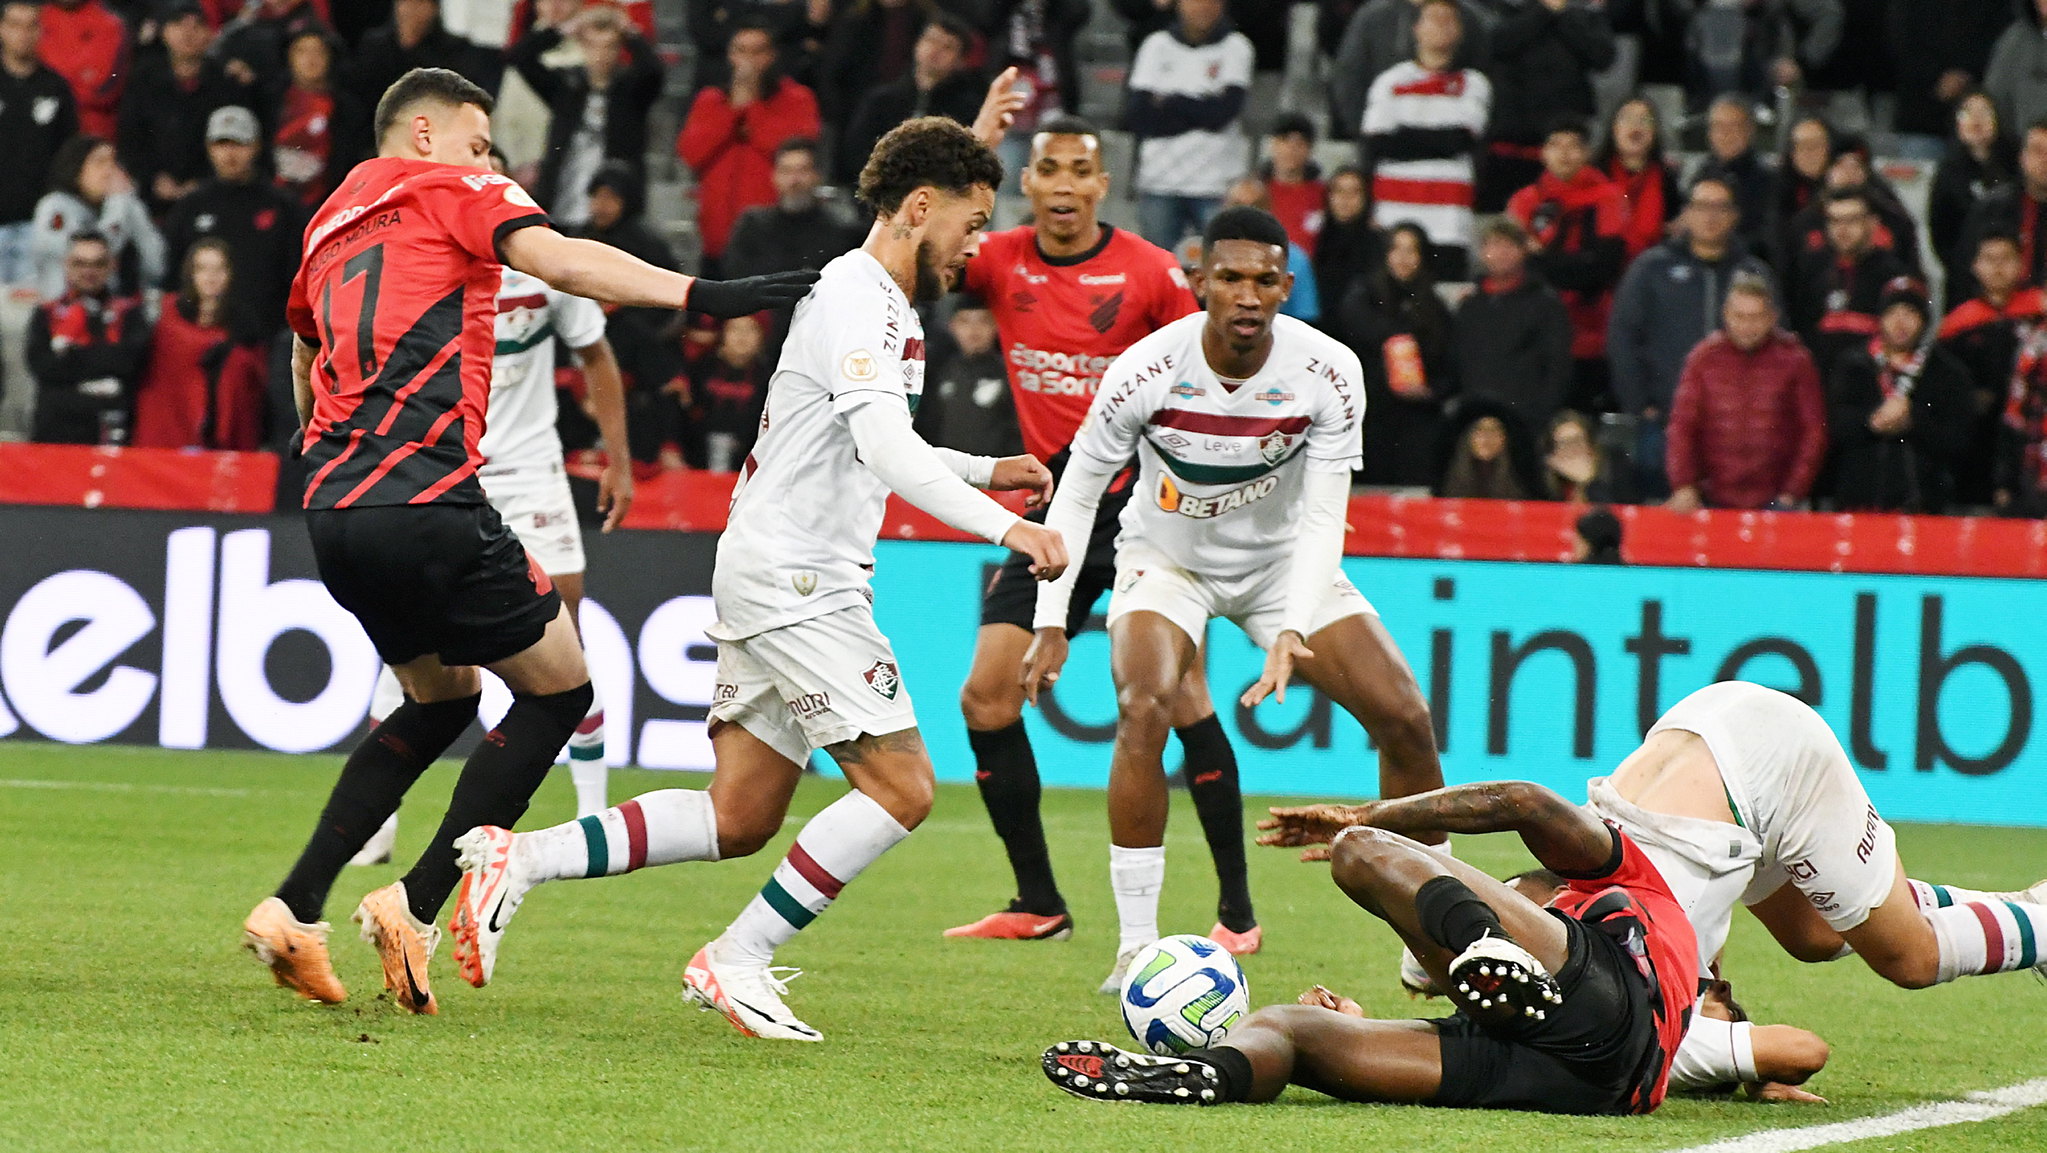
[(1983, 334), (201, 388), (730, 137), (1293, 181), (88, 46), (318, 131), (1576, 219), (1749, 426), (85, 349), (1632, 157)]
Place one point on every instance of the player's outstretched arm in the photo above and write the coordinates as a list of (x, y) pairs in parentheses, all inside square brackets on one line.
[(601, 272), (1563, 836), (999, 108), (913, 470)]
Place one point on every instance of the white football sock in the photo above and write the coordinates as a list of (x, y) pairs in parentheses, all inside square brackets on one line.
[(1137, 876), (586, 760), (1980, 937), (1929, 896), (658, 828), (833, 848)]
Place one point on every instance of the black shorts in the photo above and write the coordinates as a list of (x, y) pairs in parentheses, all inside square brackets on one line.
[(448, 579), (1012, 594), (1586, 1057)]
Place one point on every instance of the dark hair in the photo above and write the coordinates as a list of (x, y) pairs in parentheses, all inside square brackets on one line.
[(2001, 236), (1603, 156), (1293, 124), (1601, 532), (804, 144), (1858, 193), (1568, 122), (1067, 124), (421, 84), (1424, 275), (70, 160), (1725, 183), (954, 27), (925, 151), (188, 297), (751, 24), (1243, 222), (90, 236)]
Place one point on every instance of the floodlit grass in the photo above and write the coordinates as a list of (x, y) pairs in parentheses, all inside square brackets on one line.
[(130, 1020)]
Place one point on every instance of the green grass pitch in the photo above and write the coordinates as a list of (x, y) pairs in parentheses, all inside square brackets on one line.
[(130, 1020)]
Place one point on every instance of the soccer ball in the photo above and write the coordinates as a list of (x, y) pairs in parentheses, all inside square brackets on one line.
[(1182, 993)]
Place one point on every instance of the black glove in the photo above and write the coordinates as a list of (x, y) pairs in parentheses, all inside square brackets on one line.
[(728, 298)]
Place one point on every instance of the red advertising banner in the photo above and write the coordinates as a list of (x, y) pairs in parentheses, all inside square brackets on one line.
[(1393, 526)]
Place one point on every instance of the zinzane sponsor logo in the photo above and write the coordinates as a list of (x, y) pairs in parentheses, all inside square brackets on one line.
[(1171, 499)]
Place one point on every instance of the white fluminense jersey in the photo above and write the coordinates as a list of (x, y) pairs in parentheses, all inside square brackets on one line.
[(519, 424), (799, 542), (1220, 470)]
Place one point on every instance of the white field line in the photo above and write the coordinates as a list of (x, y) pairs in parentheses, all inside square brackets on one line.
[(119, 787), (1980, 1106)]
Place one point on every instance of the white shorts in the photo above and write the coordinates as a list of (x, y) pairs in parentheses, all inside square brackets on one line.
[(535, 503), (1145, 582), (1804, 818), (812, 684)]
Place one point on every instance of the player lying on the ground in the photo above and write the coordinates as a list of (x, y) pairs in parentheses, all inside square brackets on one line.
[(1741, 794), (1069, 293), (525, 481), (1245, 427), (801, 665), (1722, 1050), (391, 318), (1574, 1007)]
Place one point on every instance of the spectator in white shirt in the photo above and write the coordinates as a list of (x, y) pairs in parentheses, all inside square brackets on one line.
[(1186, 103), (1423, 122)]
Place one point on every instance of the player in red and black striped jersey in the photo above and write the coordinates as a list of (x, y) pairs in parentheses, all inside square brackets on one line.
[(1577, 1006), (393, 313), (1069, 294)]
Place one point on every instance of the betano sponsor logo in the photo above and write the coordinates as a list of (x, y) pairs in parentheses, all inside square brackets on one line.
[(1172, 499)]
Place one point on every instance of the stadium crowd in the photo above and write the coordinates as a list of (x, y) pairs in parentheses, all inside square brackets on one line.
[(1553, 297)]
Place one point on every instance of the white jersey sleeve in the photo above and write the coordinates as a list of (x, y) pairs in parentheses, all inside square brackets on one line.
[(1714, 1053), (1126, 398), (865, 350), (578, 320), (1335, 439)]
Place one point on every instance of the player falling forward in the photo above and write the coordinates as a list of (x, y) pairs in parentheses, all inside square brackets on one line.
[(525, 481), (801, 665), (391, 312), (1245, 425), (1069, 294), (1574, 1007), (1741, 794)]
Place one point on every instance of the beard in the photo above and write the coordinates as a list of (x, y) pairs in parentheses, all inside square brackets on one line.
[(931, 274)]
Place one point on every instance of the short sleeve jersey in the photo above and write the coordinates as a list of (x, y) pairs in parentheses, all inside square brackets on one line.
[(1666, 953), (1063, 319), (799, 542), (522, 409), (1219, 482), (398, 290)]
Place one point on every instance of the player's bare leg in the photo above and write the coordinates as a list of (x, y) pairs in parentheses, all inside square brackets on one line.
[(1149, 657), (1911, 946), (1359, 668), (992, 702)]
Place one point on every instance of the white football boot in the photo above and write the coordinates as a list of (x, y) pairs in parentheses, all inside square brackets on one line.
[(1113, 984), (496, 876), (750, 996)]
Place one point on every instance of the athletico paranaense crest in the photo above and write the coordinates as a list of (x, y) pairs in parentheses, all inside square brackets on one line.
[(884, 679)]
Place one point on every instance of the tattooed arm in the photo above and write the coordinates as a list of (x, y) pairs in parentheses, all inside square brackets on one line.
[(1563, 836)]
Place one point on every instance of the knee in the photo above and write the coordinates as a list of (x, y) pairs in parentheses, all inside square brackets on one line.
[(1907, 970), (1144, 708), (744, 834), (1357, 857), (907, 800), (989, 704), (1407, 729)]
